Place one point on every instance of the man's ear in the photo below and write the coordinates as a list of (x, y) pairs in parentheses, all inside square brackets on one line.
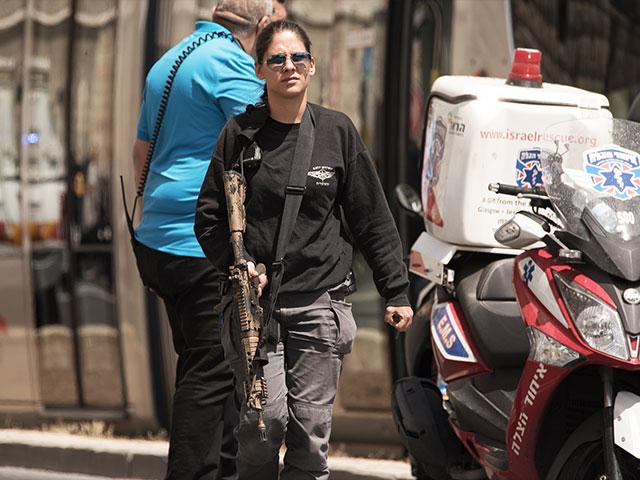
[(264, 21)]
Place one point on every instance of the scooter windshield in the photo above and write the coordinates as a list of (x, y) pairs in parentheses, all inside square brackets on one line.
[(591, 170)]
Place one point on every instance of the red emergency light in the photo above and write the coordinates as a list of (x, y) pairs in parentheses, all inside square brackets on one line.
[(525, 69)]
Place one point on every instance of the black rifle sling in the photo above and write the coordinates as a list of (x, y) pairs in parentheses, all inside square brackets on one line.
[(292, 200)]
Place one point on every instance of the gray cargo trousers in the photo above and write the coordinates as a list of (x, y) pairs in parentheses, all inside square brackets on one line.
[(302, 375)]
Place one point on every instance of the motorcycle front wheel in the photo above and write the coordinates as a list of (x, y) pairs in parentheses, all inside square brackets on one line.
[(421, 471), (587, 463)]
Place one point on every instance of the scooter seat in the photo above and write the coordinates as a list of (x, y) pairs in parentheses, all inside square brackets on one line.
[(496, 282), (486, 295)]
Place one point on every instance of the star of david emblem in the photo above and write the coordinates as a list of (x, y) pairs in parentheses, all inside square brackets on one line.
[(533, 176), (614, 170), (528, 169), (618, 179)]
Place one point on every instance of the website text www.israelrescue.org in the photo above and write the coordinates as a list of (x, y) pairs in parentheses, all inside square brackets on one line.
[(524, 136)]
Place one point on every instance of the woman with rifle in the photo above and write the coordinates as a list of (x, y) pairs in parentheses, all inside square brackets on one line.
[(301, 154)]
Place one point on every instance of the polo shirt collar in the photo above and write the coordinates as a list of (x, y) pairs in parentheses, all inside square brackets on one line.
[(205, 26)]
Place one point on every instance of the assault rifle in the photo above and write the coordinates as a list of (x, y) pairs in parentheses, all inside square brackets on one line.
[(248, 312)]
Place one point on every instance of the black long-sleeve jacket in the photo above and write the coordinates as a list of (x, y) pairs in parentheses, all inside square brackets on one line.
[(341, 174)]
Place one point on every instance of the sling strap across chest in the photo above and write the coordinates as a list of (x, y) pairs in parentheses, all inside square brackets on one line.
[(292, 200)]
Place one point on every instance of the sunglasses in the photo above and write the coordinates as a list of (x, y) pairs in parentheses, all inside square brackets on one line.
[(299, 60)]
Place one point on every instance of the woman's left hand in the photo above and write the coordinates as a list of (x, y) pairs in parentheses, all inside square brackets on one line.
[(259, 273), (399, 318)]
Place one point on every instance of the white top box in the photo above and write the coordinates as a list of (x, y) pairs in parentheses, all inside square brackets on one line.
[(481, 131)]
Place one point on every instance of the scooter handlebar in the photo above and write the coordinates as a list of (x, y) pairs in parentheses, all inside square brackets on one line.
[(514, 190)]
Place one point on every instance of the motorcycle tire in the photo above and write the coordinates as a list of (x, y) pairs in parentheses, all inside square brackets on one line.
[(428, 472), (587, 463)]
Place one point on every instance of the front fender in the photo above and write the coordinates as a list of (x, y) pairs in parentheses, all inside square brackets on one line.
[(626, 414), (589, 431), (626, 435)]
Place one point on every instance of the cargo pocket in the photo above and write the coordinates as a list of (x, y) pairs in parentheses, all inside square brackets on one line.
[(346, 326)]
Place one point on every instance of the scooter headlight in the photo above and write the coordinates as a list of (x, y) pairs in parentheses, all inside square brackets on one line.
[(599, 324), (547, 350)]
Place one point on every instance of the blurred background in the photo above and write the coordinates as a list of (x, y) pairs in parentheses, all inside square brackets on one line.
[(79, 338)]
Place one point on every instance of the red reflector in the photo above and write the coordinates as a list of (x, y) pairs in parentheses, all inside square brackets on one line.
[(526, 66)]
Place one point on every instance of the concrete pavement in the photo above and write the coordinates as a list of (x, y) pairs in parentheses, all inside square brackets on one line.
[(141, 459), (15, 473)]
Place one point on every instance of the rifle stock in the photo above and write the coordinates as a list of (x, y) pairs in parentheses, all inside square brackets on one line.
[(248, 311)]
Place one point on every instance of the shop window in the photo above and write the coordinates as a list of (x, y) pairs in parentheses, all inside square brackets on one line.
[(11, 47), (63, 147)]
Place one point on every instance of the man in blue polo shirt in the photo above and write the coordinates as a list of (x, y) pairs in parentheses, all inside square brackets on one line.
[(215, 81)]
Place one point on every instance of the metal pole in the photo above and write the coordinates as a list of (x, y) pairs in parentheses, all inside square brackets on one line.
[(396, 106), (71, 229), (25, 238), (612, 468)]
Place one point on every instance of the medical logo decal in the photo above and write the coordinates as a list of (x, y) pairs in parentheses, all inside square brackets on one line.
[(536, 280), (527, 272), (447, 335), (322, 173), (529, 168), (613, 170)]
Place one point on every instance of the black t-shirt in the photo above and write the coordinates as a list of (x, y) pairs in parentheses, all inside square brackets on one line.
[(341, 174)]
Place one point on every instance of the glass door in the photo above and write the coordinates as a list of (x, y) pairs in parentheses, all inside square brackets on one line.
[(90, 239), (348, 39), (46, 189)]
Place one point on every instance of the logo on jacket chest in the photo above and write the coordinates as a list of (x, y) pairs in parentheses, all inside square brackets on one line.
[(322, 174)]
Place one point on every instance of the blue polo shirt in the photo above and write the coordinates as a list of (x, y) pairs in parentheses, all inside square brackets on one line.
[(214, 83)]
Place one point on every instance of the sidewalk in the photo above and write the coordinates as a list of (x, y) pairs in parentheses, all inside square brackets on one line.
[(140, 459)]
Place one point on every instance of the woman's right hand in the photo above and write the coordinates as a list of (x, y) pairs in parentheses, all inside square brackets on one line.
[(258, 272), (399, 318)]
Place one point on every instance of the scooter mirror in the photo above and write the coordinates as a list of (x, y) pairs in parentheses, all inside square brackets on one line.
[(409, 199), (523, 230)]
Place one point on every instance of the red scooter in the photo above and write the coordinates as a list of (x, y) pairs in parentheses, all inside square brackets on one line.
[(533, 366)]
